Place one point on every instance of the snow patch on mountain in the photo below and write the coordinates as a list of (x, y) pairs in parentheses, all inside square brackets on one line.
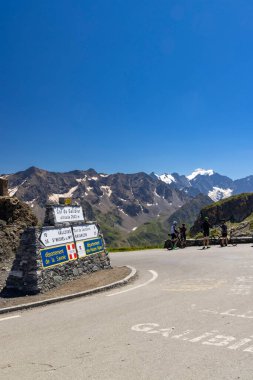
[(200, 172), (5, 176), (106, 190), (120, 209), (79, 180), (122, 200), (31, 203), (218, 193), (156, 195), (167, 178), (12, 191), (55, 197)]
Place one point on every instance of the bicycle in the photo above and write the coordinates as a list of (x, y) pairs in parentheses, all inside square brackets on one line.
[(214, 239), (180, 243), (217, 240)]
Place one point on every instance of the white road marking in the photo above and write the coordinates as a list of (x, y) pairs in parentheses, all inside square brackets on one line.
[(154, 277), (214, 337), (230, 313), (242, 285), (192, 285), (12, 317)]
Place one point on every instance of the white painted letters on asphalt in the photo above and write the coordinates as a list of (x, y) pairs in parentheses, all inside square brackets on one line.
[(214, 338)]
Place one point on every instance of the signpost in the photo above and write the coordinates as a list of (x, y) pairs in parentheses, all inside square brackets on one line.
[(51, 237), (84, 232), (64, 244), (68, 214)]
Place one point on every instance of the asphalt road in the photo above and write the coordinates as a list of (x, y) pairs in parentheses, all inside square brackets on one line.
[(189, 316)]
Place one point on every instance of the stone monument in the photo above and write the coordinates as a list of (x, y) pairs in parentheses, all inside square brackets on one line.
[(65, 247)]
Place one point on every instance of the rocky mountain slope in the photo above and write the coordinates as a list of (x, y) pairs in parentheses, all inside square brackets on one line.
[(189, 212), (154, 232), (237, 211), (120, 202)]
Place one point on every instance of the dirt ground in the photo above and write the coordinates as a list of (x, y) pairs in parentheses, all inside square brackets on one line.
[(86, 282)]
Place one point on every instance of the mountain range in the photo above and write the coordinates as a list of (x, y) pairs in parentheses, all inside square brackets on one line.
[(126, 204), (208, 182)]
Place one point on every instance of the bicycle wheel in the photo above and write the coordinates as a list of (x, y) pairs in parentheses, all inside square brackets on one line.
[(168, 244)]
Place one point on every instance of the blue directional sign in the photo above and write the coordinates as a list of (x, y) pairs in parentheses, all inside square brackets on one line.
[(54, 255), (93, 246)]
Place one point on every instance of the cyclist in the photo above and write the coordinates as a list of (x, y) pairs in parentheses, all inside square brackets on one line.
[(174, 235)]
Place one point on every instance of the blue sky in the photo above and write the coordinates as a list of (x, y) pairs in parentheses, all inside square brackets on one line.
[(127, 86)]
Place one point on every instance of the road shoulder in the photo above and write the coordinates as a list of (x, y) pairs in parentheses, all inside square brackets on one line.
[(83, 286)]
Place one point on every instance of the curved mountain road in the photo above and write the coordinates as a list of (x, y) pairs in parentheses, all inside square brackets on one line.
[(188, 316)]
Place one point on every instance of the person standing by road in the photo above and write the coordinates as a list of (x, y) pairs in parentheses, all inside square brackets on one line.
[(174, 234), (224, 234), (183, 235), (206, 231)]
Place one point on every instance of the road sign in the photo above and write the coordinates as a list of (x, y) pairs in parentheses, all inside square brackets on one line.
[(54, 255), (85, 232), (93, 246), (68, 214), (89, 247), (56, 236)]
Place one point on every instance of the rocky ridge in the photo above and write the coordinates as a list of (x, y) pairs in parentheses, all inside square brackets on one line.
[(237, 211), (15, 217), (128, 200)]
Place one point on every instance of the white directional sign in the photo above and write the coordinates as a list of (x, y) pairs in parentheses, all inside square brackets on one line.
[(68, 214), (87, 231), (56, 236)]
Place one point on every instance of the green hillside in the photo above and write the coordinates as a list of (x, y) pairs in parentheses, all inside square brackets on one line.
[(149, 234), (189, 212), (237, 211)]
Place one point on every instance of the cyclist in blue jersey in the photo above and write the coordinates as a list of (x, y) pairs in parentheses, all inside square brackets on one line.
[(174, 234)]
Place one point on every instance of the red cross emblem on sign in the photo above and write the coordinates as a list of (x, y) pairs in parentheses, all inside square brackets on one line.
[(71, 248)]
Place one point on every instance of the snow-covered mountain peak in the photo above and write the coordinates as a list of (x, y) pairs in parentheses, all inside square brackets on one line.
[(167, 178), (218, 193), (200, 172)]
